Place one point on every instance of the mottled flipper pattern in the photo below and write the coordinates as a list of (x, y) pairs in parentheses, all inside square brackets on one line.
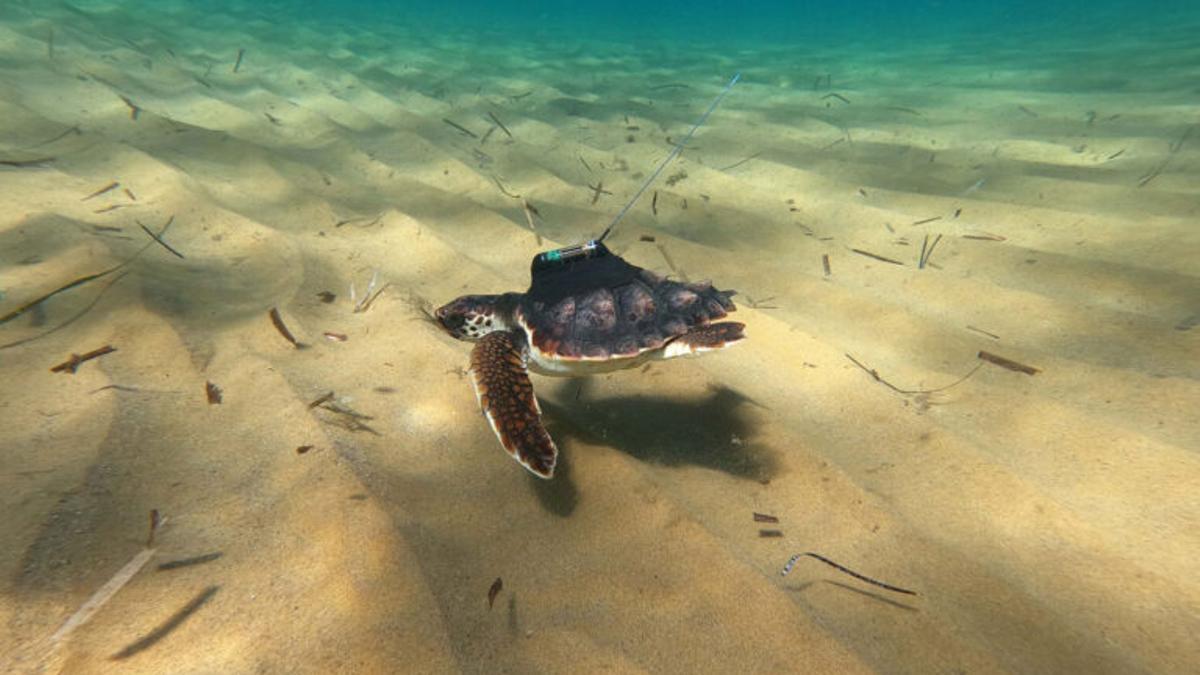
[(706, 338), (506, 396)]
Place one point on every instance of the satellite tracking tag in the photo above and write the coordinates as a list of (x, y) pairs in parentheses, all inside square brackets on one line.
[(563, 256)]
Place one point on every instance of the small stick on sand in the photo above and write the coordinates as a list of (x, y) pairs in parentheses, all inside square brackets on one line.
[(101, 596), (487, 134), (926, 254), (494, 590), (1146, 178), (792, 563), (1008, 364), (134, 109), (348, 418), (741, 162), (188, 562), (764, 518), (73, 130), (72, 364), (502, 189), (156, 522), (369, 296), (159, 239), (107, 188), (839, 97), (78, 282), (654, 203), (357, 219), (875, 375), (237, 63), (876, 256), (1177, 145), (926, 220), (460, 128), (277, 321), (500, 124), (983, 332), (530, 212), (825, 264), (598, 189), (26, 163), (115, 387)]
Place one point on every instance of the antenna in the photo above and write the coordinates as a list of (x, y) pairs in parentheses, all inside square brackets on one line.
[(674, 153)]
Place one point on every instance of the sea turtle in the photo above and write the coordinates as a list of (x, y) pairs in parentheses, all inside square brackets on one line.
[(587, 311)]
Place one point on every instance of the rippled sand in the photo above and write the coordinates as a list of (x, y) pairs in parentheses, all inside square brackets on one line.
[(1049, 522)]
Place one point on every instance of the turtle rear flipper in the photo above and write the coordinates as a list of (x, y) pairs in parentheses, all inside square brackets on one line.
[(506, 395), (706, 339)]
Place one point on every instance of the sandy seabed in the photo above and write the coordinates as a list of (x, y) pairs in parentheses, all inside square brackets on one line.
[(1049, 522)]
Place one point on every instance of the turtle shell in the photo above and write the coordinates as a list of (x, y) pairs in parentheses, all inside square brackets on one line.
[(599, 307)]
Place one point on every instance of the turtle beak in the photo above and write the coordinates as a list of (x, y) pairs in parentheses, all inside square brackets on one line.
[(450, 322)]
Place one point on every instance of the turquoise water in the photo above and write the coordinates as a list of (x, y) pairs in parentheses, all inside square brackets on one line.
[(734, 24)]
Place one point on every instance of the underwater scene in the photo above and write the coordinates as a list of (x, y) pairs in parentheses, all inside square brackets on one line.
[(706, 337)]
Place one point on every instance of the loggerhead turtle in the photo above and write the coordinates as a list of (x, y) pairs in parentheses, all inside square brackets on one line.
[(587, 311)]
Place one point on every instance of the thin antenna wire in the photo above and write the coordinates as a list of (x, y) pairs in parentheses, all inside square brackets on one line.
[(674, 153)]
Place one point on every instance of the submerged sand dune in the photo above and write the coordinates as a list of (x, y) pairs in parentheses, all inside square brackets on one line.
[(1049, 522)]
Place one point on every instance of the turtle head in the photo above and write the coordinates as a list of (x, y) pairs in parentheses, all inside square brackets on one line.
[(473, 316)]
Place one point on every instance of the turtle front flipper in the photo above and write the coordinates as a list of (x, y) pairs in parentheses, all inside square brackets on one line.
[(506, 396)]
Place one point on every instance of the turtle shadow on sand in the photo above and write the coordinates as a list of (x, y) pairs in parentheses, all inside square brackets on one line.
[(715, 431)]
